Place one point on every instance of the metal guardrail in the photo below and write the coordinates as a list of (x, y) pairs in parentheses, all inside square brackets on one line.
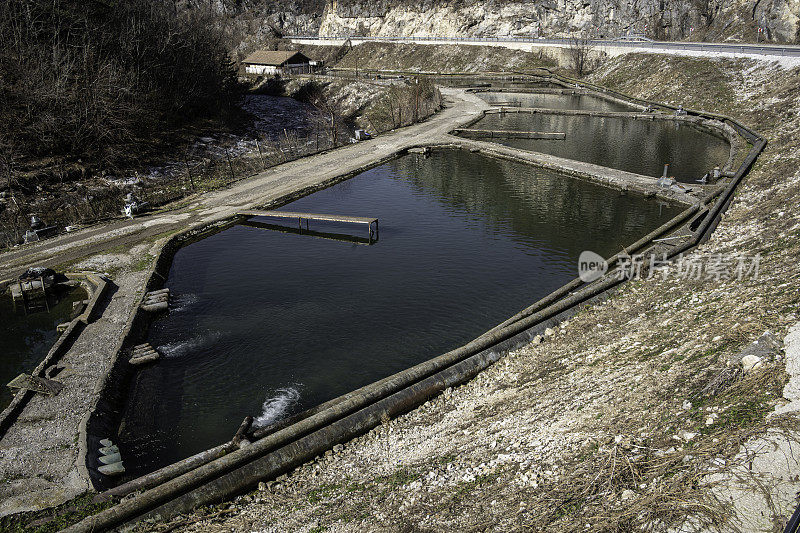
[(738, 48)]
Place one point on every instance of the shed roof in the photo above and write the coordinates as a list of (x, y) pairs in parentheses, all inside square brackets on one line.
[(275, 58)]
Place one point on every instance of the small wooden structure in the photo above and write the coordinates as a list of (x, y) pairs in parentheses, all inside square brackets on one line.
[(44, 386), (300, 217), (32, 293), (342, 237)]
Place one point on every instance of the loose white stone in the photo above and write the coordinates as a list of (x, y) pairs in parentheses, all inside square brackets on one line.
[(751, 362)]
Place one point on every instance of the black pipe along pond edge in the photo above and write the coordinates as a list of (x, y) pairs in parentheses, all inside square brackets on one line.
[(217, 474)]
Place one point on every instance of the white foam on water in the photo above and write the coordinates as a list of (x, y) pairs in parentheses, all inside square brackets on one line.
[(182, 302), (276, 406), (179, 348)]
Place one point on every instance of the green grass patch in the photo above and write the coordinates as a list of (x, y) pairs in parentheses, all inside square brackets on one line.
[(318, 494), (142, 264), (401, 476)]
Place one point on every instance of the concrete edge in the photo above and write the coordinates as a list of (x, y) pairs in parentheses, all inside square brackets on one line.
[(611, 178)]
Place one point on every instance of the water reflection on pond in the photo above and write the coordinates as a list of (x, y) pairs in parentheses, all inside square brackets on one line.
[(585, 102), (639, 146), (268, 323)]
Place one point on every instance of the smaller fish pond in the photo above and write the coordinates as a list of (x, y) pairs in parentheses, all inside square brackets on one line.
[(633, 145), (585, 102), (270, 322), (28, 334)]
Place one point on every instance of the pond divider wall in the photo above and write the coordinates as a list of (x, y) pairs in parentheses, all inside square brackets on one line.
[(623, 181), (176, 489), (96, 287), (714, 127), (565, 92)]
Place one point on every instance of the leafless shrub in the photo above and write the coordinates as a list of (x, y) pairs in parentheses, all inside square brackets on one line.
[(579, 51), (328, 113), (406, 104), (96, 80)]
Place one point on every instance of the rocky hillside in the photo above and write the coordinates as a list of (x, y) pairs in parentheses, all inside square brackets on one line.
[(712, 20), (660, 19)]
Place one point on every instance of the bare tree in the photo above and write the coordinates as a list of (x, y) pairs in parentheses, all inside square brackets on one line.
[(328, 111), (579, 51)]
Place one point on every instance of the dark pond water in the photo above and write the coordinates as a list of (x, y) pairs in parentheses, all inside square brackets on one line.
[(26, 338), (267, 323), (640, 146), (586, 102)]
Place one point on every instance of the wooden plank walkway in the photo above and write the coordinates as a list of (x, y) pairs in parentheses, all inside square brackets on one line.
[(44, 386), (300, 217), (310, 232)]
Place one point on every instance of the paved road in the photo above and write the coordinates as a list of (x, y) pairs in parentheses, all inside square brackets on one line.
[(250, 193), (778, 50)]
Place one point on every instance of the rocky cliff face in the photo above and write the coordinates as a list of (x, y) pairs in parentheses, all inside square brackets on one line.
[(734, 20), (661, 19), (710, 20)]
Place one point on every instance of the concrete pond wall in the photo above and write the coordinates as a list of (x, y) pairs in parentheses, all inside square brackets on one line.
[(281, 448)]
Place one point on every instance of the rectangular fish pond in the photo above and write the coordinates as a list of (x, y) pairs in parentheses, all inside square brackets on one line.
[(28, 334), (632, 145), (586, 102), (269, 323)]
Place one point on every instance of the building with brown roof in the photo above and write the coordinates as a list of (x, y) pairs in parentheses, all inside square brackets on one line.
[(271, 62)]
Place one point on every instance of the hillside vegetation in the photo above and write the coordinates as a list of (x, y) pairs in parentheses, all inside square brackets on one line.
[(95, 80)]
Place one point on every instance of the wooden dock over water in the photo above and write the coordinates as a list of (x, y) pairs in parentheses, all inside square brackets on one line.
[(372, 223)]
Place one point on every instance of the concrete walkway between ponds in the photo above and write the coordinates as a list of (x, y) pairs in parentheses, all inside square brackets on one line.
[(617, 179), (40, 456)]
